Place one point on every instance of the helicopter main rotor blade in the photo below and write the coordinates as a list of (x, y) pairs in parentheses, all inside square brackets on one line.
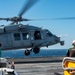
[(4, 19), (66, 18), (27, 5), (35, 19), (17, 19)]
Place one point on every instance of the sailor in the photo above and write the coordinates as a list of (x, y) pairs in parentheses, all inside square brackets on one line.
[(12, 65), (71, 51)]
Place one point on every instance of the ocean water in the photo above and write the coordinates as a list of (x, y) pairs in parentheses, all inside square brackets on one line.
[(42, 53)]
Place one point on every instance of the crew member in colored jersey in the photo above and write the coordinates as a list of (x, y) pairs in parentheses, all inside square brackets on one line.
[(71, 51)]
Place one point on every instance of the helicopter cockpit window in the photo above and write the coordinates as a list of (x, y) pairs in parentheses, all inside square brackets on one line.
[(48, 33), (17, 36), (25, 36)]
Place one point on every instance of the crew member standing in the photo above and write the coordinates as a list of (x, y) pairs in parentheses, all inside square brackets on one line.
[(12, 65), (71, 51)]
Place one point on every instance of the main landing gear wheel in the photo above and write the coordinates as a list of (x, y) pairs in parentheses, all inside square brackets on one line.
[(27, 52), (36, 50)]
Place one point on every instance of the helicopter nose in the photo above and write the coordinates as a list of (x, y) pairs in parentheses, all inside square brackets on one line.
[(57, 40)]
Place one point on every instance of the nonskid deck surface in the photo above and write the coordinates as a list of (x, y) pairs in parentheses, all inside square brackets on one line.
[(52, 68)]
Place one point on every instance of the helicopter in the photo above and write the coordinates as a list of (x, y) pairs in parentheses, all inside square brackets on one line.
[(32, 38)]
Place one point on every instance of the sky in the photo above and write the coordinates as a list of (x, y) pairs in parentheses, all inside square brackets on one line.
[(45, 9)]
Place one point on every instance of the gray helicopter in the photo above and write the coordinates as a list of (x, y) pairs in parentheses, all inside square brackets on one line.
[(32, 38)]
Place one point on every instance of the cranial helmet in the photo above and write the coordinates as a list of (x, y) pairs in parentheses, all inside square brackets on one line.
[(73, 42)]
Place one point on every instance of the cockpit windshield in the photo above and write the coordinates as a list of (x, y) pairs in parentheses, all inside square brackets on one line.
[(48, 33)]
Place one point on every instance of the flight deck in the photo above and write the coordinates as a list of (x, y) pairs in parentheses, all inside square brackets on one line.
[(39, 66)]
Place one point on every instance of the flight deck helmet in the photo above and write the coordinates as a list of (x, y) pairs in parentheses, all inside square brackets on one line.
[(73, 43)]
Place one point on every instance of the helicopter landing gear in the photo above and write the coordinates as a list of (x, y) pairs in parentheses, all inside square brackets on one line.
[(36, 50), (27, 52)]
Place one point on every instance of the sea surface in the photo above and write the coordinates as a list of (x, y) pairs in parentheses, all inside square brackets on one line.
[(42, 53)]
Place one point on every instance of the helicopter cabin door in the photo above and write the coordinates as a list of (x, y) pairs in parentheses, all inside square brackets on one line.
[(37, 38), (37, 35)]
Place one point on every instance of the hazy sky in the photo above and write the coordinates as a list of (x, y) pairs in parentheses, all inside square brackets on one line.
[(45, 9)]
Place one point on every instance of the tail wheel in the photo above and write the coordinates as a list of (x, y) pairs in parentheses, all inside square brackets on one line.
[(27, 52), (36, 50)]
